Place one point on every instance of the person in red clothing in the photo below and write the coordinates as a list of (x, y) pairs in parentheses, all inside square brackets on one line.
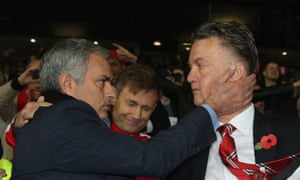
[(137, 93), (31, 91)]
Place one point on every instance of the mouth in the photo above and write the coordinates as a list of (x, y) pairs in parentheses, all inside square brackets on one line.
[(108, 106), (132, 122), (195, 90)]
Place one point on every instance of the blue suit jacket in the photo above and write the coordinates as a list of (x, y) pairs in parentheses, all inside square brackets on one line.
[(68, 141), (287, 131)]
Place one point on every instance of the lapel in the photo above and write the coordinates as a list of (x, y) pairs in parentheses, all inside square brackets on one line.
[(263, 127)]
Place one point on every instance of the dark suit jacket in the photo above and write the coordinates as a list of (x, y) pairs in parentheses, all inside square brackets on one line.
[(286, 130), (68, 141)]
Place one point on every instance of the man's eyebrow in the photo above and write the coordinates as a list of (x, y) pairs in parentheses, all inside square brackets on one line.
[(107, 78), (104, 76)]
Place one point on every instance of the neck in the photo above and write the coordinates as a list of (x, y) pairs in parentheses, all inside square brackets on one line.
[(227, 117), (270, 82)]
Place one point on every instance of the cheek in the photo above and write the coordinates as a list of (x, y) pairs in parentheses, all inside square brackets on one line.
[(97, 99), (120, 108), (207, 85), (146, 116)]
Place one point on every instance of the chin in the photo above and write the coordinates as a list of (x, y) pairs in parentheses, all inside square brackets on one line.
[(198, 102), (103, 115)]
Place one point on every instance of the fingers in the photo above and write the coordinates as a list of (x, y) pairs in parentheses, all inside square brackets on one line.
[(249, 82), (227, 75), (253, 80), (27, 113), (26, 76), (41, 99), (232, 96), (41, 102), (125, 54), (248, 85), (118, 46)]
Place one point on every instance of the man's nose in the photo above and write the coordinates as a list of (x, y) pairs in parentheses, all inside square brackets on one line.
[(137, 113), (110, 90)]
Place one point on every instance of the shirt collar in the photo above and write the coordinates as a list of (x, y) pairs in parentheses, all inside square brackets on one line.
[(244, 121)]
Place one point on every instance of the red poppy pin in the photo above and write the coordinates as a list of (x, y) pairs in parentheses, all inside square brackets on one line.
[(266, 142)]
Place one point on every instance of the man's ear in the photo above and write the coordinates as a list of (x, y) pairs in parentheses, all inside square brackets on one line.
[(239, 72), (66, 83)]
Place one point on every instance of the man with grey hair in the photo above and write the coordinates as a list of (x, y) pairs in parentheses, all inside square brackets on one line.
[(68, 140)]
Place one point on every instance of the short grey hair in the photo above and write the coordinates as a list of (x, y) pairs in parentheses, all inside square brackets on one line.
[(69, 56)]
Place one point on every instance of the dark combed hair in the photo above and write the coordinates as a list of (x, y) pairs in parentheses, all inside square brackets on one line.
[(234, 36)]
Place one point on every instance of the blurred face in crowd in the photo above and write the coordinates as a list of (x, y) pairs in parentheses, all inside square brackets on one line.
[(35, 86), (96, 88), (271, 71), (133, 110), (179, 76)]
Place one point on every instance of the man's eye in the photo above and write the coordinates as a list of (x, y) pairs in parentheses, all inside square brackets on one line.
[(147, 109), (101, 82), (131, 104)]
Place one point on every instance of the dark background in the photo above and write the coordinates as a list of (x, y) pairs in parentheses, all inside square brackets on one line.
[(135, 24)]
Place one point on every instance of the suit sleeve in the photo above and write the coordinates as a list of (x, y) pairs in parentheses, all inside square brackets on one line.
[(73, 139)]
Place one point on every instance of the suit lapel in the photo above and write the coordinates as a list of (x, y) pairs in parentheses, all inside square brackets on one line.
[(263, 127)]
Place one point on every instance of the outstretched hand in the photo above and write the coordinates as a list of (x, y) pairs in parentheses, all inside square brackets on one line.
[(27, 113), (124, 54), (230, 96), (26, 76)]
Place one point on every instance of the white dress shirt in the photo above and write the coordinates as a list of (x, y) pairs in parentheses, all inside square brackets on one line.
[(295, 175), (243, 139)]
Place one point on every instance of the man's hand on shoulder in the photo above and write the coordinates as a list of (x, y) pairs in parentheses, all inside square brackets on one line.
[(27, 113)]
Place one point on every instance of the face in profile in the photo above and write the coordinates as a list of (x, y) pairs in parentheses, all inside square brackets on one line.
[(96, 87), (208, 62)]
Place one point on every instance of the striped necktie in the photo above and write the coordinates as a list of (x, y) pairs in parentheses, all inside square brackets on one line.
[(245, 171)]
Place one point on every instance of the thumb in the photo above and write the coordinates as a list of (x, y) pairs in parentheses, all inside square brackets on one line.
[(229, 72), (41, 99)]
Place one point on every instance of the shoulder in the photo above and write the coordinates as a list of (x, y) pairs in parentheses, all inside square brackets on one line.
[(70, 109), (284, 126), (69, 105)]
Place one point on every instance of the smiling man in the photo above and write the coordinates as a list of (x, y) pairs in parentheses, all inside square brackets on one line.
[(137, 95)]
